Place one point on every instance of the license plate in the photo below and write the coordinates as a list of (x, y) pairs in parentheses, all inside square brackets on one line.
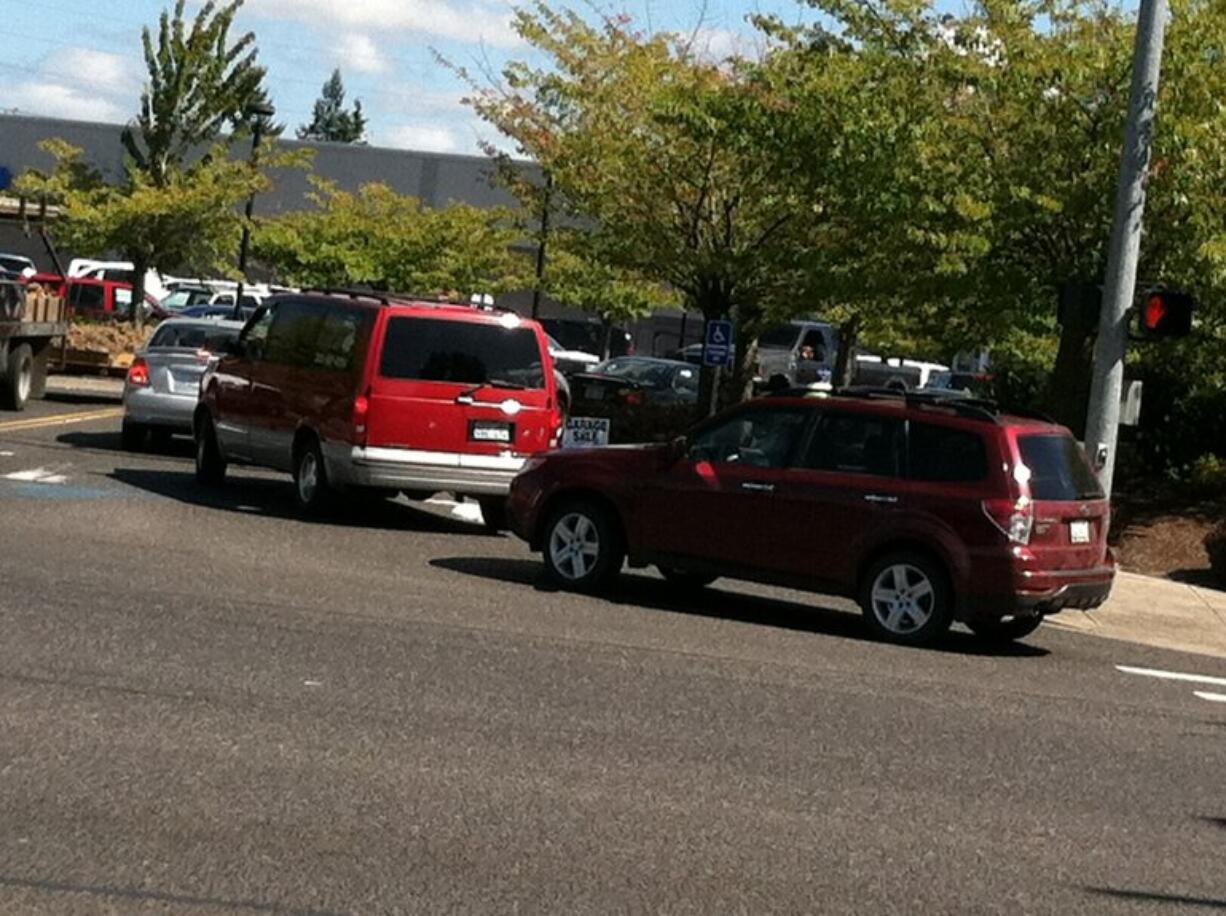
[(593, 393), (1079, 532), (489, 431), (585, 432)]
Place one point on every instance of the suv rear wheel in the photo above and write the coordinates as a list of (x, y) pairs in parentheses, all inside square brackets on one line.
[(1005, 630), (905, 599), (311, 478), (210, 463), (584, 548)]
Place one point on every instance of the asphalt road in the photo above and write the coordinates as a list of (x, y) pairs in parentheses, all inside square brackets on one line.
[(208, 705)]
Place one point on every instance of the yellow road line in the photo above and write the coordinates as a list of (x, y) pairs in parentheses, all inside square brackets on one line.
[(62, 419)]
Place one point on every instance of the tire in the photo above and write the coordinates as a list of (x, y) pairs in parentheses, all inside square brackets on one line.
[(1001, 632), (312, 492), (493, 513), (686, 581), (906, 599), (210, 463), (17, 381), (583, 546), (159, 438), (38, 384), (134, 437)]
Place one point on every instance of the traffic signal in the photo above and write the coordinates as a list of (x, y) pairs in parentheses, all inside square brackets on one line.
[(1164, 313)]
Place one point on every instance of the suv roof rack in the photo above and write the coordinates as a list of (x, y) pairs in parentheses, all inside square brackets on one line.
[(395, 298), (978, 408)]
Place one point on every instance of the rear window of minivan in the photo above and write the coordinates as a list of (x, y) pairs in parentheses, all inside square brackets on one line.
[(466, 352), (1058, 469)]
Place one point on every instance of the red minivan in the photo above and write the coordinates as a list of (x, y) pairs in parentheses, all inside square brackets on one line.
[(357, 391), (924, 509)]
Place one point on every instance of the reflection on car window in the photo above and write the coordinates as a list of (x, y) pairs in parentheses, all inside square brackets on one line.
[(764, 438), (856, 444), (255, 335), (337, 341)]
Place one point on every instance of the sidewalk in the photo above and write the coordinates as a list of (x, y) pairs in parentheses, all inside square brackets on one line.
[(1156, 612), (86, 386)]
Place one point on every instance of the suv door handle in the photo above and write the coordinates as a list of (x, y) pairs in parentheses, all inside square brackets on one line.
[(880, 498), (756, 487)]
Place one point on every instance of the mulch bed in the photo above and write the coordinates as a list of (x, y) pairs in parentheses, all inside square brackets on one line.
[(1162, 533)]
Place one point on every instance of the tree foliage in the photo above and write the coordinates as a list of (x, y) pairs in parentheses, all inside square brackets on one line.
[(388, 241), (332, 122)]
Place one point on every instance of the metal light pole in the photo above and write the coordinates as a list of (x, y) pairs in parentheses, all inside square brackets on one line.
[(540, 248), (259, 111), (1103, 420)]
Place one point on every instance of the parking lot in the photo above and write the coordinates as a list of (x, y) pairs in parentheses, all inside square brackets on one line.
[(210, 704)]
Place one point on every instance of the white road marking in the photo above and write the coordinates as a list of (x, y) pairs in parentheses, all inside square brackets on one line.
[(37, 475), (312, 683), (6, 454), (1173, 675), (1211, 697)]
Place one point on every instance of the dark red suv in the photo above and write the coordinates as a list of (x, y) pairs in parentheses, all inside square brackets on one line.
[(355, 391), (924, 509)]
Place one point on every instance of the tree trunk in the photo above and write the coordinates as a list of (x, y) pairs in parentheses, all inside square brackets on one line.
[(845, 363), (606, 337), (1068, 393), (140, 265)]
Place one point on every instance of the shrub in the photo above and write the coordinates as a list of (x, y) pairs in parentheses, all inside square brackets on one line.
[(1208, 476), (1215, 546)]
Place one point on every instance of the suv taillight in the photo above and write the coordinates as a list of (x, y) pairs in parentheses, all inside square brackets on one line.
[(138, 373), (361, 407), (1014, 518)]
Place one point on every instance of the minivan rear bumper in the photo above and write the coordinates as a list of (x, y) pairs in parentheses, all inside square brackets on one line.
[(422, 470)]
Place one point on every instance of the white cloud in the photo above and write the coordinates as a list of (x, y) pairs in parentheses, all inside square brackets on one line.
[(426, 138), (359, 53), (717, 45), (80, 84), (467, 21), (54, 100), (416, 100)]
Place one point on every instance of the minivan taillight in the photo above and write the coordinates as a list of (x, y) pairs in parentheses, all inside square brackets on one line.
[(361, 407), (1014, 518), (138, 373)]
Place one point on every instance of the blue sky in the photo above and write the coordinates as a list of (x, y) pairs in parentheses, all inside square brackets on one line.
[(81, 60)]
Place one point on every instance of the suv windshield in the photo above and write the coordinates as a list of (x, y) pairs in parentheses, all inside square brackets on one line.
[(466, 352), (1058, 469)]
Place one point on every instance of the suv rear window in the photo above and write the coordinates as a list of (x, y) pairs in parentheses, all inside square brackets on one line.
[(943, 454), (471, 353), (1058, 469)]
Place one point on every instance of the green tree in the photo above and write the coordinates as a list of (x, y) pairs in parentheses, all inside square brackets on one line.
[(332, 122), (660, 154), (388, 241), (199, 83)]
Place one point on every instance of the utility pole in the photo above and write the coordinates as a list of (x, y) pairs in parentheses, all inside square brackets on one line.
[(546, 194), (1119, 288), (259, 111)]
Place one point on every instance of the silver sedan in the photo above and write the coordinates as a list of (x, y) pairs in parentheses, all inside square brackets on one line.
[(163, 383)]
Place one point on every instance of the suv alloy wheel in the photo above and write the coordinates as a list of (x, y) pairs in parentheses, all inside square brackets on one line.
[(905, 599), (583, 546), (310, 478)]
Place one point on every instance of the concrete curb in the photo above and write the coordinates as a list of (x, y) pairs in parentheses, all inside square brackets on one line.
[(1156, 612)]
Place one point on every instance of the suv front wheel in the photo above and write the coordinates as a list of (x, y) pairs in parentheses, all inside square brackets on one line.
[(584, 548), (906, 600)]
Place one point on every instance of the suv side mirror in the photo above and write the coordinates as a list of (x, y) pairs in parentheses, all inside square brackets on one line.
[(230, 346)]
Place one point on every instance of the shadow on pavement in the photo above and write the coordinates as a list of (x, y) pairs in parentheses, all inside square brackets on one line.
[(1208, 903), (275, 499), (1201, 578), (141, 894), (164, 447), (646, 592)]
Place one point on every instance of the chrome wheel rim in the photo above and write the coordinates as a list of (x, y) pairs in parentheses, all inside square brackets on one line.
[(574, 546), (903, 599), (308, 477)]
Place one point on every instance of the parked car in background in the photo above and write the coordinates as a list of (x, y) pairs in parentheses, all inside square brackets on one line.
[(587, 336), (963, 384), (184, 296), (250, 299), (924, 509), (570, 362), (351, 391), (162, 386), (118, 272), (218, 311), (895, 372), (797, 352), (17, 264), (103, 299), (640, 398)]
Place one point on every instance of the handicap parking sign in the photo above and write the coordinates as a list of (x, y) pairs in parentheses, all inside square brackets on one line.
[(717, 347)]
